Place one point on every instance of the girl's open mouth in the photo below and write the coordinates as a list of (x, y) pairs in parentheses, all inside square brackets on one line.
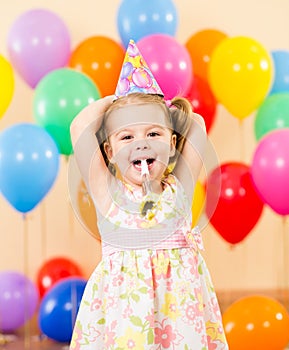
[(137, 163)]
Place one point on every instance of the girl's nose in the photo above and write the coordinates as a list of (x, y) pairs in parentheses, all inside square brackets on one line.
[(141, 145)]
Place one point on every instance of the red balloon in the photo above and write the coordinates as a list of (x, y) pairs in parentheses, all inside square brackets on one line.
[(54, 270), (233, 205), (203, 101)]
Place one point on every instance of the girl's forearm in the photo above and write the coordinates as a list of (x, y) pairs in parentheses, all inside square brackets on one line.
[(83, 138)]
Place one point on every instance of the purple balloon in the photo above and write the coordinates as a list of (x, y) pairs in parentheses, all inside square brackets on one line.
[(18, 300), (38, 43), (270, 170)]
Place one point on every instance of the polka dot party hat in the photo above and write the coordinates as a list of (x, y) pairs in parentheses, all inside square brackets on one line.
[(135, 75)]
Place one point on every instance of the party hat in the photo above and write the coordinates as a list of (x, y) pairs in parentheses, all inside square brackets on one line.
[(135, 75)]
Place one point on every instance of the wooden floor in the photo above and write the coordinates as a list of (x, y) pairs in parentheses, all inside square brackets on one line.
[(29, 343), (21, 340)]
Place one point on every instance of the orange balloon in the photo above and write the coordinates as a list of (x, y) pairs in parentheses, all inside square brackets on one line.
[(198, 202), (200, 47), (256, 322), (87, 213), (101, 59)]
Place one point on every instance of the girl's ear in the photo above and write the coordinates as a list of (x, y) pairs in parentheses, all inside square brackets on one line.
[(173, 145), (108, 151)]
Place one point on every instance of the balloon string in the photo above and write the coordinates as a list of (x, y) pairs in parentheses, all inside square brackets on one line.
[(285, 261), (69, 207), (228, 297), (70, 220), (245, 259), (278, 258), (26, 270), (74, 303), (242, 140), (43, 231)]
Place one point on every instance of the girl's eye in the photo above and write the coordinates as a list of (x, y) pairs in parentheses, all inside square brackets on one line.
[(153, 134), (126, 137)]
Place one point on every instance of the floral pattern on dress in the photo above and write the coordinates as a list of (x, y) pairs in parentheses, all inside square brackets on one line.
[(151, 299)]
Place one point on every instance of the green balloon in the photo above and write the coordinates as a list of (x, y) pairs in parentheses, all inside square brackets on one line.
[(59, 97), (273, 114)]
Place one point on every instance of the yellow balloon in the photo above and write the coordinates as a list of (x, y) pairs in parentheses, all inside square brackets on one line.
[(6, 84), (198, 202), (240, 74)]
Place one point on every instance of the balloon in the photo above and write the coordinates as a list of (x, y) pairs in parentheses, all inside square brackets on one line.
[(86, 211), (81, 201), (137, 19), (59, 307), (29, 163), (239, 207), (101, 59), (6, 84), (272, 114), (38, 43), (58, 98), (18, 300), (256, 322), (169, 62), (54, 270), (203, 101), (270, 170), (198, 202), (281, 71), (201, 46), (240, 74)]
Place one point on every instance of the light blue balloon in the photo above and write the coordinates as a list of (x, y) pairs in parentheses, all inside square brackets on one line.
[(139, 18), (281, 75), (29, 163)]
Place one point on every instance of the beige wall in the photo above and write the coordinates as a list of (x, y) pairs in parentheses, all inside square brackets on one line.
[(51, 229)]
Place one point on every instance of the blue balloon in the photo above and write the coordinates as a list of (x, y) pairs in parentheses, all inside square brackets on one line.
[(281, 68), (139, 18), (59, 307), (29, 163)]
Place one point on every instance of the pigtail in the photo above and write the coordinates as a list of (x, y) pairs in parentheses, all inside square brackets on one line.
[(181, 112), (102, 139)]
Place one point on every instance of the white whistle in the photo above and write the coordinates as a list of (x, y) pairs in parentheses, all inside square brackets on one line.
[(146, 187), (145, 174)]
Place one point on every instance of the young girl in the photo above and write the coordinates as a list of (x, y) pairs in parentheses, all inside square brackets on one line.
[(151, 290)]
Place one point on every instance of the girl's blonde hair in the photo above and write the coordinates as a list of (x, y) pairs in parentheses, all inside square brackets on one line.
[(178, 112)]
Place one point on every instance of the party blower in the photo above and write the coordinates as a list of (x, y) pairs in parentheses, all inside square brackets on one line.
[(147, 187)]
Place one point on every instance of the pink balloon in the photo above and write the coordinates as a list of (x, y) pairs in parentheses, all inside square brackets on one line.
[(38, 43), (169, 62), (270, 170)]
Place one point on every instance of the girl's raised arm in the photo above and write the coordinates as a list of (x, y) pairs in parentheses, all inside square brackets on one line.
[(86, 148), (190, 161)]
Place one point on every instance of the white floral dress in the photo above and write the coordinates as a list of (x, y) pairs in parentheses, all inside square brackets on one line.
[(153, 291)]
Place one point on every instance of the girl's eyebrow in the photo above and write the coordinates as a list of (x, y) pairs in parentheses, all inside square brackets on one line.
[(122, 131)]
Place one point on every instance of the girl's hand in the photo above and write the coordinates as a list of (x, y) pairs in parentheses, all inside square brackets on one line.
[(89, 117)]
